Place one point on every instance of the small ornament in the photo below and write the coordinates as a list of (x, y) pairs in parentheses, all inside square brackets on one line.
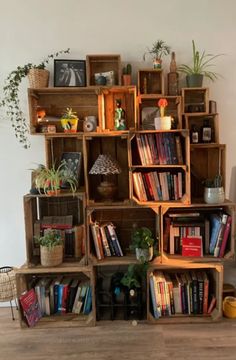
[(119, 117)]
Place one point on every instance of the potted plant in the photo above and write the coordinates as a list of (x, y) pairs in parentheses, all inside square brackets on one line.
[(69, 121), (127, 70), (51, 248), (11, 89), (142, 243), (49, 180), (201, 64), (158, 50), (213, 190)]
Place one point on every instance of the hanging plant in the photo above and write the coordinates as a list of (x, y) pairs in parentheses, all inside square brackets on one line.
[(11, 101)]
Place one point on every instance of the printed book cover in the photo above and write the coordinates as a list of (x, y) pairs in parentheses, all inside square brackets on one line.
[(30, 306)]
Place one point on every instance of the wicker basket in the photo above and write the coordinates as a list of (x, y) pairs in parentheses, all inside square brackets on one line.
[(38, 78), (7, 284), (51, 257)]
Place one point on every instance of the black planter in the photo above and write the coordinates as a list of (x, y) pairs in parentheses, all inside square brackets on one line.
[(194, 80)]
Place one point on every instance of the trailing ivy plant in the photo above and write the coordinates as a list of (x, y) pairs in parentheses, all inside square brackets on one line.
[(11, 101)]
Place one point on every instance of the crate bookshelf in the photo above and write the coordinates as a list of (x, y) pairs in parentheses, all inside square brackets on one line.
[(25, 277), (199, 162)]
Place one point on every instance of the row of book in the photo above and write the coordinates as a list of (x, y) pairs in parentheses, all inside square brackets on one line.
[(72, 236), (197, 234), (58, 295), (105, 240), (159, 148), (181, 293), (158, 186)]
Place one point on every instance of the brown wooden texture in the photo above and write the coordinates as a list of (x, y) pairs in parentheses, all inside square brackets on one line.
[(103, 63), (150, 81), (107, 105), (206, 161), (195, 100), (84, 101)]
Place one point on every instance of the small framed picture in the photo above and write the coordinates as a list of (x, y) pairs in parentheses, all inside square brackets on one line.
[(73, 164), (69, 73)]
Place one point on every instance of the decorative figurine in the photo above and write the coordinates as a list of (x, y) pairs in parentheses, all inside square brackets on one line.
[(119, 116)]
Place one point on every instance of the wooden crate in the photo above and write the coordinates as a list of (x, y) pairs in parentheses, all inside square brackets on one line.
[(196, 119), (124, 218), (148, 110), (107, 105), (103, 63), (38, 206), (54, 101), (136, 165), (150, 82), (206, 161), (204, 211), (215, 274), (195, 100), (117, 147), (26, 276)]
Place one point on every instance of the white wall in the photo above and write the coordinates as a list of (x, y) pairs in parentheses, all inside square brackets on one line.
[(30, 30)]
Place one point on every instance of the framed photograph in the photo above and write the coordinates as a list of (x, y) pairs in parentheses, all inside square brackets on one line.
[(73, 163), (69, 73)]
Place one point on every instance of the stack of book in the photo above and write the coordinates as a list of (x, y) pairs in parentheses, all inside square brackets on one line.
[(63, 295), (158, 186), (105, 240), (181, 293)]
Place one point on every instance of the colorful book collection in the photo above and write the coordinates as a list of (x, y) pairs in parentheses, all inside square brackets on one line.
[(63, 295), (158, 186), (196, 234), (105, 240), (181, 293), (160, 149)]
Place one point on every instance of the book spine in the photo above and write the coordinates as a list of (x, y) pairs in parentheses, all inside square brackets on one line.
[(225, 236)]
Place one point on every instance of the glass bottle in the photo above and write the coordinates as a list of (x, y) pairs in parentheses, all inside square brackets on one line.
[(173, 77), (194, 134), (206, 131)]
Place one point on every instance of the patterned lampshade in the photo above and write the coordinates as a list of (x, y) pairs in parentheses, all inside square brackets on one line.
[(105, 165)]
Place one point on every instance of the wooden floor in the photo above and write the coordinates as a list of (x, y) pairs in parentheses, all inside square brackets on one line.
[(122, 340)]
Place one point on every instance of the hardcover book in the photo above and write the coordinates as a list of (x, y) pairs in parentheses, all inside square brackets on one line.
[(192, 246), (30, 306)]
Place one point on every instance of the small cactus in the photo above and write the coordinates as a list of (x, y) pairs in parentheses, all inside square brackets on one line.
[(127, 70), (213, 183)]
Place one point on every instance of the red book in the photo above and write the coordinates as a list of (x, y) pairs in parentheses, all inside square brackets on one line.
[(30, 306), (192, 246), (225, 236)]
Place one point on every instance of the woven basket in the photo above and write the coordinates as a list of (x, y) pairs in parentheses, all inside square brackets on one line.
[(51, 257), (38, 78), (7, 284)]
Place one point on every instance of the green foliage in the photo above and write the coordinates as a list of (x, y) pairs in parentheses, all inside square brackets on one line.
[(134, 275), (51, 178), (142, 238), (201, 64), (69, 114), (213, 183), (158, 50), (11, 102), (50, 239), (127, 70)]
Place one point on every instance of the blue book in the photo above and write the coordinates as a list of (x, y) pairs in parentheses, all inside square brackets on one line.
[(215, 227), (88, 301), (153, 297)]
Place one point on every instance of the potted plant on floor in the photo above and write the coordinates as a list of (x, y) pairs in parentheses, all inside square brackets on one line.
[(49, 180), (142, 242), (158, 50), (51, 248), (11, 89), (201, 65)]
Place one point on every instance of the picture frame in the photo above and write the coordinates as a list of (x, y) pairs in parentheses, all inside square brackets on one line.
[(73, 161), (69, 73)]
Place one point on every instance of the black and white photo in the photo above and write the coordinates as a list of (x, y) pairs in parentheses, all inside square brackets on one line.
[(69, 73)]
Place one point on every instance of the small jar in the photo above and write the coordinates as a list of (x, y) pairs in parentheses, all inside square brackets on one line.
[(194, 135)]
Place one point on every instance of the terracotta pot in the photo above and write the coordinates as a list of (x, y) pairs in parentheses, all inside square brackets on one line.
[(126, 80)]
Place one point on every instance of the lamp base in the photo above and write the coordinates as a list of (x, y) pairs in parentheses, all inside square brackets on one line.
[(107, 190)]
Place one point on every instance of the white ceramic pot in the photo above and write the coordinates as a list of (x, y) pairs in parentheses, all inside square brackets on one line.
[(214, 195), (144, 254), (162, 123)]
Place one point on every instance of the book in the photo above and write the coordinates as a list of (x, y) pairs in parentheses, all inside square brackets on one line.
[(220, 235), (115, 241), (192, 246), (212, 304), (88, 301), (225, 236), (53, 299), (107, 250), (30, 307), (215, 221), (154, 296), (57, 222), (71, 295)]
